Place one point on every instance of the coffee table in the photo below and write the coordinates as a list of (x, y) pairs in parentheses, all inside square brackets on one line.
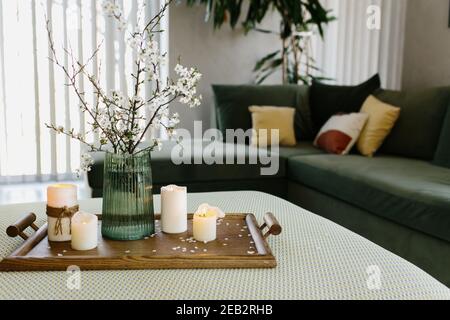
[(317, 259)]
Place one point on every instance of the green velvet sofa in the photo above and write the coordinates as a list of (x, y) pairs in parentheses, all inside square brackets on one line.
[(399, 199)]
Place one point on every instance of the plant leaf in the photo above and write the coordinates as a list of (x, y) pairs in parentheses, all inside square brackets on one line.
[(260, 63)]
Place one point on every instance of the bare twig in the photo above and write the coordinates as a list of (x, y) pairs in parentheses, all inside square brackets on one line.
[(71, 134), (73, 84), (120, 123), (149, 124)]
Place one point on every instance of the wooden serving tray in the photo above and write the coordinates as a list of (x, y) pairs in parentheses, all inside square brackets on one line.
[(240, 243)]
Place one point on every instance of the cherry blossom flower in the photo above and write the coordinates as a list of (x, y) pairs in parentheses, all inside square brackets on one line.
[(119, 117)]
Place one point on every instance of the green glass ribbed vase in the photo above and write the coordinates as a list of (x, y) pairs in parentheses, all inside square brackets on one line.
[(127, 212)]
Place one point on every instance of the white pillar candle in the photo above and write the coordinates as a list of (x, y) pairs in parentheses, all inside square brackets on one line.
[(205, 222), (173, 209), (204, 226), (84, 231), (58, 196)]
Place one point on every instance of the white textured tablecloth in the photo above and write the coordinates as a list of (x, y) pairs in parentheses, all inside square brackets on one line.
[(317, 259)]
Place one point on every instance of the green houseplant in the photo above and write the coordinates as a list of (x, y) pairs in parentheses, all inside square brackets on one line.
[(299, 19)]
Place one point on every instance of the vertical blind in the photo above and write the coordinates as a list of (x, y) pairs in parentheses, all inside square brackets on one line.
[(33, 90), (351, 52)]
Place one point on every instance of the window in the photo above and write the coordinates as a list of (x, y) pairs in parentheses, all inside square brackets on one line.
[(33, 91)]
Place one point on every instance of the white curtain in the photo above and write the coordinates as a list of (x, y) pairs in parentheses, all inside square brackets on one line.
[(33, 91), (350, 52)]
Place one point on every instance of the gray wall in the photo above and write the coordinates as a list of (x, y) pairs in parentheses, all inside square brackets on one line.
[(427, 44), (227, 56), (223, 56)]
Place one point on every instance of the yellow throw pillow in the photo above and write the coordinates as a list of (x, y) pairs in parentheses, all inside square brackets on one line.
[(265, 117), (382, 117)]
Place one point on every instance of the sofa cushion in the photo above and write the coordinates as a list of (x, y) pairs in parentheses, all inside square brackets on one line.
[(411, 192), (302, 148), (268, 118), (340, 132), (416, 132), (328, 100), (304, 128), (442, 155), (382, 118), (165, 171), (232, 102)]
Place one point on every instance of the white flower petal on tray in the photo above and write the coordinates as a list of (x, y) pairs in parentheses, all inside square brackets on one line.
[(204, 208)]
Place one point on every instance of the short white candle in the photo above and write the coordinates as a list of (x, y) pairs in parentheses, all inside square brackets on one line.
[(204, 226), (173, 209), (58, 196), (84, 231)]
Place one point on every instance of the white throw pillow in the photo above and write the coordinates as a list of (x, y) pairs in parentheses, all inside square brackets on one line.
[(340, 132)]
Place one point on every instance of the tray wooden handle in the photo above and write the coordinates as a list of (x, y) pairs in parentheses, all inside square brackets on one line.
[(272, 224), (17, 228)]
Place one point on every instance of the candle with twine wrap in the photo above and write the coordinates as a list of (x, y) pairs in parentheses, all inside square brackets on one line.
[(61, 206)]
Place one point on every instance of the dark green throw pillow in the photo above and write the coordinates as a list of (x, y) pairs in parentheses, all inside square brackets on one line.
[(416, 132), (442, 155), (232, 102), (328, 100), (304, 128)]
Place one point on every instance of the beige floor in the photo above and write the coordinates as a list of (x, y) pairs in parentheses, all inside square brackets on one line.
[(32, 192)]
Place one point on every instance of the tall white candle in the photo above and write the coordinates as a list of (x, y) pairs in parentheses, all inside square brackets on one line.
[(84, 231), (58, 196), (173, 209)]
